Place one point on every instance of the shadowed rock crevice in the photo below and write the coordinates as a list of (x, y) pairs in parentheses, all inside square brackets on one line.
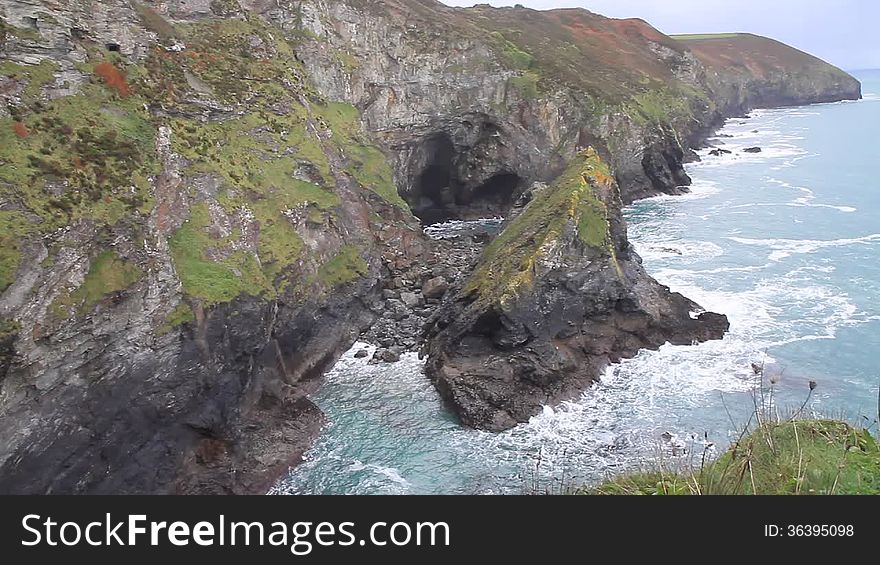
[(495, 195)]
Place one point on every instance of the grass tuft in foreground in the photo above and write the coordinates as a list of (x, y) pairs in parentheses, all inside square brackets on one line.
[(774, 457), (794, 457)]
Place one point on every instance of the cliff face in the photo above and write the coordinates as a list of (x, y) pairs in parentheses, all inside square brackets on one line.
[(745, 71), (191, 235), (199, 201)]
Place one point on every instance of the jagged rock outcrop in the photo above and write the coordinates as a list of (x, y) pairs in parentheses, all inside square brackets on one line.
[(558, 295), (200, 199)]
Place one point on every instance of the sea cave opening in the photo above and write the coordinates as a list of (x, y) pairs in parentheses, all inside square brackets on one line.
[(433, 192), (438, 191), (493, 197)]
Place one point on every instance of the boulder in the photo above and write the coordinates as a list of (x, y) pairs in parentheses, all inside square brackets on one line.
[(411, 299), (385, 356), (435, 287)]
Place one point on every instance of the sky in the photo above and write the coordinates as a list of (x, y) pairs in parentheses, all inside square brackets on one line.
[(843, 32)]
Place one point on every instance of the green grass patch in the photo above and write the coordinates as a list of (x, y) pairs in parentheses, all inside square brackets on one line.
[(84, 157), (509, 261), (14, 228), (213, 281), (108, 273), (370, 168), (785, 458), (515, 57), (662, 106), (258, 151), (37, 76), (280, 245), (182, 314), (364, 161), (221, 53), (346, 266), (526, 84)]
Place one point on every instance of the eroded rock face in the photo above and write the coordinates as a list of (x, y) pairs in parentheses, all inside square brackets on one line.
[(184, 251)]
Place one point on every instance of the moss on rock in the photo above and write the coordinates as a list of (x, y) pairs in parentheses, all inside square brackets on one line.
[(510, 260), (210, 279), (108, 274), (526, 84), (514, 55), (14, 229), (87, 156), (36, 77), (363, 160), (346, 266), (182, 314)]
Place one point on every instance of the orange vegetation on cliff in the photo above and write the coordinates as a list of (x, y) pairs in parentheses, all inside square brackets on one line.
[(113, 78), (20, 129)]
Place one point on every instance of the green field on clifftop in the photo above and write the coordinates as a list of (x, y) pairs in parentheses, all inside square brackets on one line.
[(698, 36)]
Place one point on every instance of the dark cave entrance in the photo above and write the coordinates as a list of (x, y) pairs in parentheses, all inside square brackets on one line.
[(495, 196), (438, 193), (433, 193)]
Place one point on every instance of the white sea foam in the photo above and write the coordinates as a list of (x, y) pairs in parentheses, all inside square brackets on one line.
[(387, 472), (696, 191), (783, 248), (690, 251), (806, 200), (454, 228)]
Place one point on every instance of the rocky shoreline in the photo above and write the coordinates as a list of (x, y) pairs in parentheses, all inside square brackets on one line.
[(413, 290)]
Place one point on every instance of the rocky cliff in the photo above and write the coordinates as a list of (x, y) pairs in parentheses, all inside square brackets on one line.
[(745, 71), (201, 201)]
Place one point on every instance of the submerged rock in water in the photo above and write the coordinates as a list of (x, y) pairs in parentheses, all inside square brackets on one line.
[(385, 356), (720, 152), (752, 150)]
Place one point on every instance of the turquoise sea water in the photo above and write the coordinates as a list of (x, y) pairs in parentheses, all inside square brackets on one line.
[(786, 242)]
